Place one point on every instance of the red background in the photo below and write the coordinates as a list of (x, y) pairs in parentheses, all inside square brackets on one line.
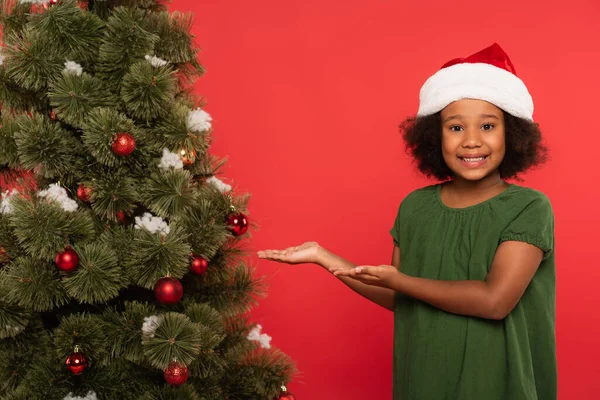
[(306, 98)]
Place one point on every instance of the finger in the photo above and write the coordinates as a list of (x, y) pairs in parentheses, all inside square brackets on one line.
[(367, 270)]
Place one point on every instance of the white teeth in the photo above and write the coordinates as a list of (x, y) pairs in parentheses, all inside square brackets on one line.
[(474, 159)]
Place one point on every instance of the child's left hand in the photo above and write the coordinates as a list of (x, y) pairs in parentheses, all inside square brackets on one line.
[(383, 275)]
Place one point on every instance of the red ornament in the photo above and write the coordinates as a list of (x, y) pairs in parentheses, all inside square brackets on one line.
[(84, 193), (52, 115), (176, 373), (120, 216), (168, 291), (67, 260), (123, 144), (285, 395), (199, 265), (3, 255), (76, 362), (238, 224)]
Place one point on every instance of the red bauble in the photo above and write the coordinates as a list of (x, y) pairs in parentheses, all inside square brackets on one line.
[(67, 260), (76, 362), (52, 2), (238, 224), (120, 216), (199, 265), (285, 396), (84, 193), (3, 255), (168, 290), (123, 144), (176, 373)]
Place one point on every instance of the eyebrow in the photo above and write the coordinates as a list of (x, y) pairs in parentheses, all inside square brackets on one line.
[(458, 116)]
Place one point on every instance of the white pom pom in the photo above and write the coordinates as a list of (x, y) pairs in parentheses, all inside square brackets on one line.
[(89, 396), (59, 194), (5, 206), (73, 68), (155, 61), (262, 338), (2, 57), (152, 224), (170, 160), (198, 120), (223, 187), (34, 1), (150, 325)]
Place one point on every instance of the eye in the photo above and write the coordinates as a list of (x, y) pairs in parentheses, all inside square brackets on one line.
[(455, 128), (487, 127)]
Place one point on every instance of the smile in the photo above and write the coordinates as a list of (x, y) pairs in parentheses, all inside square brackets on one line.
[(473, 161)]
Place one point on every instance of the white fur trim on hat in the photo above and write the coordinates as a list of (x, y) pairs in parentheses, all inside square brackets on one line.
[(478, 81)]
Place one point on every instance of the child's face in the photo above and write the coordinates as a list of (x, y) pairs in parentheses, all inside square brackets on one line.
[(473, 143)]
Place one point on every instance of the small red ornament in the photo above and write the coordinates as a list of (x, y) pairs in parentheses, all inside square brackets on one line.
[(176, 373), (52, 115), (76, 362), (52, 2), (168, 291), (123, 144), (3, 255), (188, 157), (84, 193), (238, 224), (120, 216), (67, 260), (199, 265)]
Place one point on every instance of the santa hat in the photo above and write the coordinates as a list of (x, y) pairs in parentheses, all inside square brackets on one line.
[(486, 75)]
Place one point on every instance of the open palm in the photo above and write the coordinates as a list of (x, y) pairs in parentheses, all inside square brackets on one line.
[(305, 253)]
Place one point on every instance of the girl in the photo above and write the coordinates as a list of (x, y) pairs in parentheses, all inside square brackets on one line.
[(472, 280)]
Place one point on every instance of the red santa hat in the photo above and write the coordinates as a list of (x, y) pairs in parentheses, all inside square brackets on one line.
[(486, 75)]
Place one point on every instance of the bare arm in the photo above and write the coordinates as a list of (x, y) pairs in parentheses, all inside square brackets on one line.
[(378, 295)]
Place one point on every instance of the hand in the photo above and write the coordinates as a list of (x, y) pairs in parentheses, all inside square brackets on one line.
[(305, 253), (383, 275)]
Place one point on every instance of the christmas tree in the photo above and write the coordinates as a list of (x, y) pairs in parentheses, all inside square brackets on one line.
[(122, 272)]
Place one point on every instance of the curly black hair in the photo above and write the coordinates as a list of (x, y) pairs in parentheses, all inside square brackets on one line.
[(524, 147)]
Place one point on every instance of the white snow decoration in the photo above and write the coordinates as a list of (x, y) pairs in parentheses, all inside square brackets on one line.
[(155, 61), (150, 325), (59, 194), (89, 396), (34, 1), (2, 57), (152, 224), (5, 206), (73, 68), (223, 187), (262, 338), (170, 160), (198, 120)]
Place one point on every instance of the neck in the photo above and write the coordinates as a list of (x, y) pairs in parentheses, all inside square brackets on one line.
[(488, 183)]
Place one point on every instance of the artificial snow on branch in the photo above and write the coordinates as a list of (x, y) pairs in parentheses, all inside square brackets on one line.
[(57, 193), (170, 160), (198, 120), (89, 396), (2, 57), (262, 338), (152, 224), (5, 206), (73, 68), (34, 1), (150, 325), (155, 61), (222, 186)]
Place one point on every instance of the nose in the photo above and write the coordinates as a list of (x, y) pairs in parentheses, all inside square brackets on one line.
[(472, 138)]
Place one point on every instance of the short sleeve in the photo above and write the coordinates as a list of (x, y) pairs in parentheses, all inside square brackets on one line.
[(533, 225), (395, 231)]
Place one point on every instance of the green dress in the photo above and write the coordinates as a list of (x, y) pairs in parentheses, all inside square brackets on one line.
[(443, 356)]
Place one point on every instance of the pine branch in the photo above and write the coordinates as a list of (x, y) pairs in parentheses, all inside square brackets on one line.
[(168, 193), (32, 285), (98, 277), (111, 193), (153, 256), (44, 146), (84, 330), (8, 147), (148, 91), (74, 97), (13, 319), (44, 228), (175, 338)]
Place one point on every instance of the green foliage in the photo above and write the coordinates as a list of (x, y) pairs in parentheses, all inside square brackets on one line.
[(58, 127)]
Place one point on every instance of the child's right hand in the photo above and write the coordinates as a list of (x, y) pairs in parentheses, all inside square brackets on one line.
[(308, 252)]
